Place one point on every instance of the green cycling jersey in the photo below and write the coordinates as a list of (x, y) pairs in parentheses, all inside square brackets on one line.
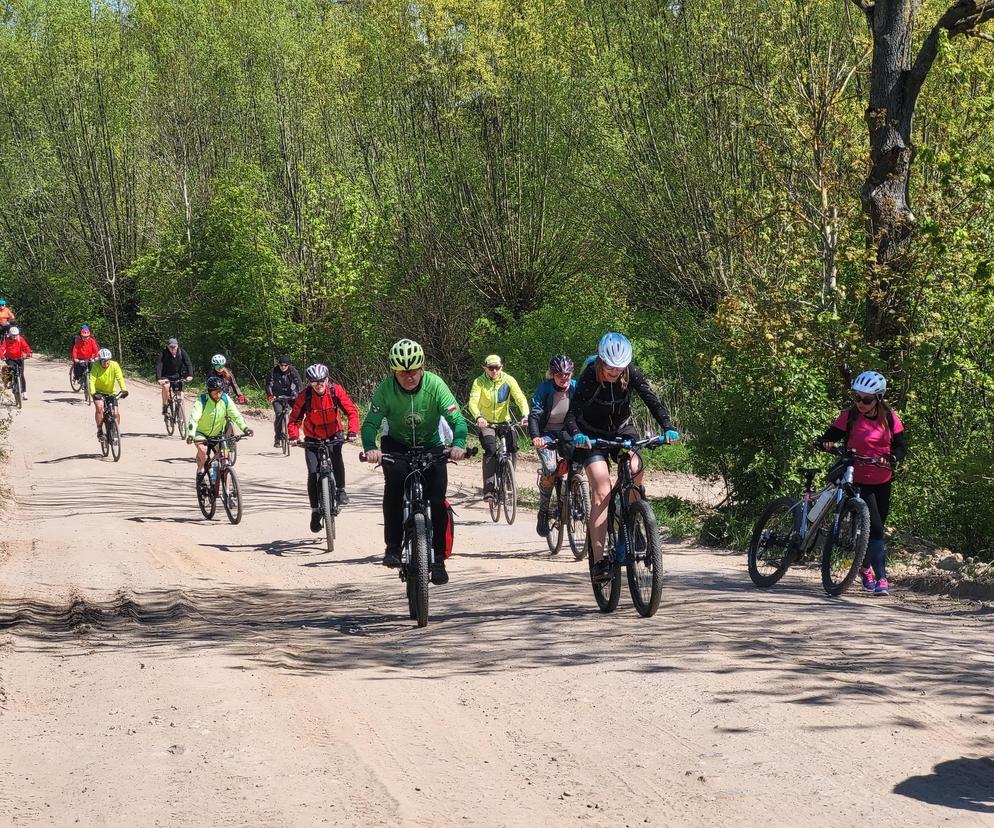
[(412, 417)]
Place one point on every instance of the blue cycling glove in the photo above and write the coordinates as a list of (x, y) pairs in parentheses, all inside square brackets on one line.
[(581, 441), (670, 436)]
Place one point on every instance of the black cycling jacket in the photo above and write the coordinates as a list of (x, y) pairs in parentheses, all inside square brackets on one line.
[(604, 408), (168, 366), (284, 385)]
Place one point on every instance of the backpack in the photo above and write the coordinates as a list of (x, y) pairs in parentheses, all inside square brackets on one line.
[(224, 397), (309, 395)]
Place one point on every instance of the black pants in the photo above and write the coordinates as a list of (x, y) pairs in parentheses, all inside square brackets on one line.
[(313, 459), (488, 439), (278, 408), (877, 497), (80, 369), (436, 482), (20, 365)]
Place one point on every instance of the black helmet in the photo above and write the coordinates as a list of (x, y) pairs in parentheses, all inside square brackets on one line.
[(215, 383), (561, 364), (283, 360)]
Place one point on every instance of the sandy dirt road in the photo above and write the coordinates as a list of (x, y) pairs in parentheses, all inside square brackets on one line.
[(160, 669)]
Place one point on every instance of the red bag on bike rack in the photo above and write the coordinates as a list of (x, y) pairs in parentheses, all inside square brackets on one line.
[(450, 528)]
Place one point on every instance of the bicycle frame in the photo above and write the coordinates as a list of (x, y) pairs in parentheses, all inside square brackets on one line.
[(215, 455), (808, 533), (325, 468)]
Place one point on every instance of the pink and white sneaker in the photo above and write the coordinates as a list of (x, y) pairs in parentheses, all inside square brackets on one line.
[(869, 582), (882, 588)]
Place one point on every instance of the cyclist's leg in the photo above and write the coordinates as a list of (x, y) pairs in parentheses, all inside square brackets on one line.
[(98, 414), (198, 441), (488, 439), (164, 387), (313, 460), (394, 475), (277, 425), (599, 478), (338, 466), (878, 502), (436, 484)]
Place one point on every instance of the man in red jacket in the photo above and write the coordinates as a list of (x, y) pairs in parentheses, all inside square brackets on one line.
[(84, 351), (15, 350), (317, 408)]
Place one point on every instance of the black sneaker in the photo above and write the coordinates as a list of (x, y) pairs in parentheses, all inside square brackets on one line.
[(315, 520), (601, 571), (100, 437), (543, 522), (278, 443), (165, 408), (202, 486), (342, 497), (391, 557), (438, 574)]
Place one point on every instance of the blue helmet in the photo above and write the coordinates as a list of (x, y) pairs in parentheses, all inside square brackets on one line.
[(615, 350)]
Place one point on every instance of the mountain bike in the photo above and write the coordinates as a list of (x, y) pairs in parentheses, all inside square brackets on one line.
[(79, 379), (418, 550), (175, 412), (632, 536), (220, 481), (327, 490), (505, 487), (837, 518), (13, 376), (230, 446), (282, 421), (569, 507), (111, 444)]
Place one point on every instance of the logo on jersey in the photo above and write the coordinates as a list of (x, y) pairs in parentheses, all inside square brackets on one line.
[(375, 409), (414, 419)]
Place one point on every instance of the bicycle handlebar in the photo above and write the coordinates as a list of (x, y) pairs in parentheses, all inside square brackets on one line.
[(626, 443), (849, 454), (405, 456)]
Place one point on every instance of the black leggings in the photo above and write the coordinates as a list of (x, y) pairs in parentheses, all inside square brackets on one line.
[(877, 497), (436, 481), (337, 467)]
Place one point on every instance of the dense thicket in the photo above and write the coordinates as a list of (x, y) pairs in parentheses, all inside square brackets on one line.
[(515, 176)]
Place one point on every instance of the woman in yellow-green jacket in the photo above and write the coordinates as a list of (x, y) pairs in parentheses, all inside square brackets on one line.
[(490, 403)]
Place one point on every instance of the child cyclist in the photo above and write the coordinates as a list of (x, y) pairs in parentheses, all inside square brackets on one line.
[(601, 408), (871, 428)]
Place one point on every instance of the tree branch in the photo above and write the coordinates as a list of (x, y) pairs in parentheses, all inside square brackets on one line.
[(962, 17), (864, 6)]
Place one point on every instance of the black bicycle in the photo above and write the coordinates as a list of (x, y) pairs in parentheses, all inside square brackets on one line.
[(79, 377), (220, 480), (175, 415), (505, 486), (418, 551), (230, 447), (283, 421), (632, 536), (13, 377), (327, 489), (111, 442), (569, 507), (837, 518)]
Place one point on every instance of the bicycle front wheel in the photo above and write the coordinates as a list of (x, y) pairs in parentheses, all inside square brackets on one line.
[(230, 447), (417, 572), (644, 559), (510, 495), (181, 418), (114, 440), (774, 538), (207, 498), (845, 547), (170, 420), (74, 382), (15, 387), (577, 516), (608, 593), (327, 511), (230, 495), (557, 513), (86, 391)]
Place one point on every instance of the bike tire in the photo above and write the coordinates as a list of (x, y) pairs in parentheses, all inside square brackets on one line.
[(114, 440), (412, 607), (577, 516), (557, 515), (644, 559), (231, 496), (207, 500), (495, 501), (844, 549), (328, 512), (771, 543), (284, 441), (105, 446), (418, 570), (608, 593), (510, 498), (170, 421), (74, 382), (15, 389), (230, 447), (181, 419), (86, 392)]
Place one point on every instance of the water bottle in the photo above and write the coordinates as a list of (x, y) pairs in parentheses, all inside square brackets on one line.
[(821, 504), (214, 471)]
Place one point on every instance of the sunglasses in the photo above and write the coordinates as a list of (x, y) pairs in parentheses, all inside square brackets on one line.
[(859, 398), (494, 367)]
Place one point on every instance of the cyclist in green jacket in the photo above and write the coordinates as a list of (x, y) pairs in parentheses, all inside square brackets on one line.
[(411, 401), (209, 417)]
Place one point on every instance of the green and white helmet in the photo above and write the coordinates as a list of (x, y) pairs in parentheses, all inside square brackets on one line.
[(406, 355)]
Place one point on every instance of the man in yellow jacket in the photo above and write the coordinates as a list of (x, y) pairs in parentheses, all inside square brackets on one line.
[(105, 376), (209, 418), (490, 403)]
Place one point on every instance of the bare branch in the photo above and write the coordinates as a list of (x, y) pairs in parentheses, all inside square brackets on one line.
[(979, 35), (864, 6)]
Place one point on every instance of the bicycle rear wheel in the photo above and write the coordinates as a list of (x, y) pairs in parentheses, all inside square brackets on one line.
[(557, 513), (230, 495), (774, 538), (181, 418), (577, 515), (114, 440), (510, 496), (418, 571), (644, 559), (327, 511), (844, 549)]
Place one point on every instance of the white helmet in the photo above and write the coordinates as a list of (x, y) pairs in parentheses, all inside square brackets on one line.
[(615, 350), (218, 361), (14, 331), (317, 372), (870, 382), (104, 353)]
